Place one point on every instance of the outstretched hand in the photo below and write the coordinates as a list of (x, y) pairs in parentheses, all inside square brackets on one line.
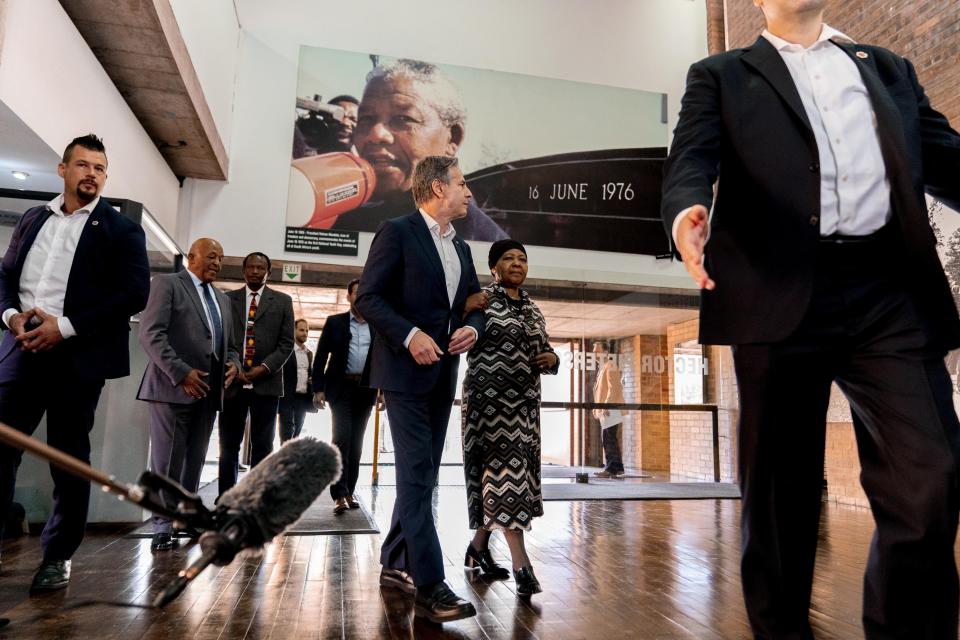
[(691, 239)]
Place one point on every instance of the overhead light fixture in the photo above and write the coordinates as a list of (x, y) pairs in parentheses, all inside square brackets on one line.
[(20, 175), (147, 221)]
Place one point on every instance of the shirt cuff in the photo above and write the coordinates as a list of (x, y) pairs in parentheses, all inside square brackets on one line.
[(9, 313), (476, 334), (66, 327), (676, 223), (264, 365), (406, 342)]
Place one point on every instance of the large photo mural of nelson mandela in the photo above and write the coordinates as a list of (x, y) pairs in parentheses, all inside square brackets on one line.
[(549, 162)]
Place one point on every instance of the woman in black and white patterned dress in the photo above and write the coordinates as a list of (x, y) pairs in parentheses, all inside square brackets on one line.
[(501, 417)]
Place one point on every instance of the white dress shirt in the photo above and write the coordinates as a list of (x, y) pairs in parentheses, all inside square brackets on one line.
[(449, 258), (43, 280), (854, 189), (303, 364), (198, 283)]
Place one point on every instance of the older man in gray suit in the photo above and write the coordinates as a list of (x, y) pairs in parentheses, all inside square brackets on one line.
[(186, 332)]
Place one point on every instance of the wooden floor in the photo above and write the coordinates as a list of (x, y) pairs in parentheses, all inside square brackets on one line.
[(610, 570)]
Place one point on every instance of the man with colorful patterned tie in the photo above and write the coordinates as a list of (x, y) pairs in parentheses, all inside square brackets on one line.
[(263, 324)]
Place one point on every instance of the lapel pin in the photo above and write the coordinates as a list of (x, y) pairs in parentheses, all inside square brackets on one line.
[(863, 55), (95, 222)]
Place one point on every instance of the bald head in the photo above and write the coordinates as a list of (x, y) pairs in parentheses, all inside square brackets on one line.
[(205, 258)]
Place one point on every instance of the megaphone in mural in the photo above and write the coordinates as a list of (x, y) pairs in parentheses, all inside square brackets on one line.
[(325, 186)]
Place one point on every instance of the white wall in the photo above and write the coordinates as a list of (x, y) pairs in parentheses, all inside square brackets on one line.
[(54, 83), (212, 34), (640, 44)]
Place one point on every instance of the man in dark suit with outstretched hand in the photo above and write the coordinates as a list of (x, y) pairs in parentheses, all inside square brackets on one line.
[(412, 292), (818, 265)]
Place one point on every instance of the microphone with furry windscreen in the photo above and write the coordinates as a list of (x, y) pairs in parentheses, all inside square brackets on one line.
[(271, 497)]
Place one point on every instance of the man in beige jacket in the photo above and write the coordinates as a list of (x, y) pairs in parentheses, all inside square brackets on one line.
[(608, 388)]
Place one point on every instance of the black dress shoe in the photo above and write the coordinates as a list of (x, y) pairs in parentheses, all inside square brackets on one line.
[(484, 561), (527, 583), (52, 575), (440, 604), (162, 541), (340, 506), (397, 579), (352, 502)]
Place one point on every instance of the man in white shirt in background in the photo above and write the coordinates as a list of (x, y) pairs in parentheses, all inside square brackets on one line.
[(818, 265), (297, 398)]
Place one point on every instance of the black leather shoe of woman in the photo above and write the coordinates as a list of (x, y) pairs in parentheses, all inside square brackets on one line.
[(484, 561), (527, 583)]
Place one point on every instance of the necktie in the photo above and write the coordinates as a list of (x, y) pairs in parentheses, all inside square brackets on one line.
[(250, 343), (214, 318)]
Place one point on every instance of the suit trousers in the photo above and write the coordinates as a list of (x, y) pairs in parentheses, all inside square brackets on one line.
[(32, 384), (179, 438), (292, 410), (613, 459), (233, 421), (862, 331), (418, 424), (351, 412)]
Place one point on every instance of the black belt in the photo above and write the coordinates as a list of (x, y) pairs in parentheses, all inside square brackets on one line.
[(838, 238)]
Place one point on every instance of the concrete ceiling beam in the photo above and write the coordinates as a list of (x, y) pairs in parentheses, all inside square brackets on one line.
[(141, 48)]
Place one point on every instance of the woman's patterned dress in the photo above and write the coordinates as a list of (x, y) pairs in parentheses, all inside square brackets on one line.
[(501, 415)]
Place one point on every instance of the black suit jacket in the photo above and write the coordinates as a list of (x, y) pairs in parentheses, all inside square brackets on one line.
[(109, 281), (273, 328), (742, 119), (330, 365), (402, 287)]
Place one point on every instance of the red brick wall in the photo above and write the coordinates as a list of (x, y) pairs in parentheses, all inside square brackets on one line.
[(925, 31), (691, 433)]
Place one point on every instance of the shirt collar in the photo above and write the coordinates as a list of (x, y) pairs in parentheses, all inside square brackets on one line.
[(250, 291), (56, 205), (301, 347), (197, 282), (827, 33), (433, 225), (354, 318)]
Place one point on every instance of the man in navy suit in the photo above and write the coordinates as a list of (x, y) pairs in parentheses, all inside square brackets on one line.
[(341, 377), (821, 267), (412, 292), (74, 273)]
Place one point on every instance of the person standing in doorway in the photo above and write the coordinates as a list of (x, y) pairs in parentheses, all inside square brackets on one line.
[(608, 388)]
